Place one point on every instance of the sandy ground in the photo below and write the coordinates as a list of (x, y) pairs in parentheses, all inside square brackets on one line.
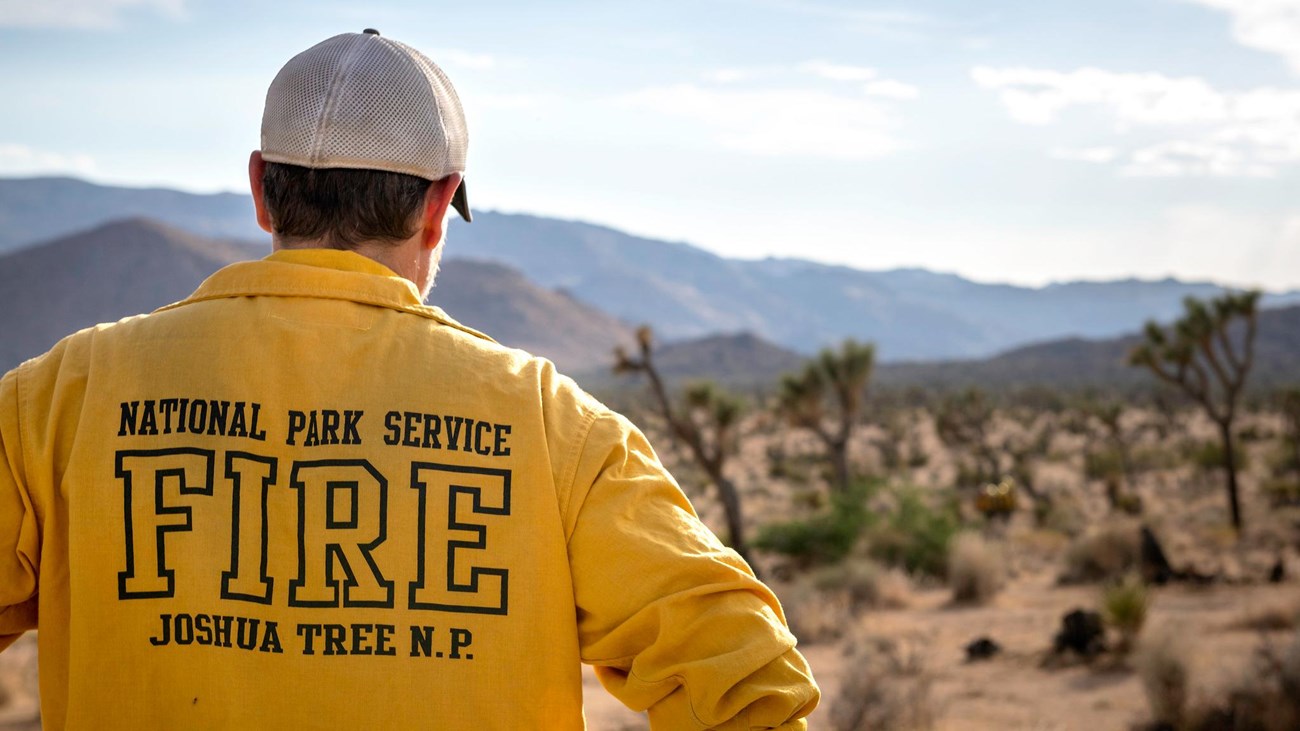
[(1021, 688)]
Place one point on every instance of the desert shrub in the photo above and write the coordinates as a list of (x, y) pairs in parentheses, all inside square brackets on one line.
[(1281, 491), (976, 568), (915, 535), (1208, 456), (1161, 662), (1155, 457), (865, 583), (1060, 511), (917, 457), (1106, 552), (1254, 433), (1266, 698), (884, 686), (826, 537), (1124, 605), (816, 617), (1103, 463), (1270, 617)]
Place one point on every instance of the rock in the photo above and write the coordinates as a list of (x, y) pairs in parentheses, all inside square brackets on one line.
[(982, 649), (1081, 631), (1155, 564), (1278, 574)]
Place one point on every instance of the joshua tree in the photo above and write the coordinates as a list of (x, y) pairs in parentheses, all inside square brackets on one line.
[(964, 421), (1208, 353), (831, 388), (704, 422)]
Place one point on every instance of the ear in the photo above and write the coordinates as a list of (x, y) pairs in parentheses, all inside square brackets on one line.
[(436, 202), (257, 166)]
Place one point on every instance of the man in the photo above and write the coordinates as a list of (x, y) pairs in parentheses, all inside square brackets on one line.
[(303, 499)]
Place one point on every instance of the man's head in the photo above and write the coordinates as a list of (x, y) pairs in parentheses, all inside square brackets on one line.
[(363, 146)]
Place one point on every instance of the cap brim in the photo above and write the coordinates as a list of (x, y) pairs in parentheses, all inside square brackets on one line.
[(460, 201)]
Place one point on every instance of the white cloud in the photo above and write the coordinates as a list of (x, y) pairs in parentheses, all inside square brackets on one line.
[(838, 72), (1182, 157), (1211, 132), (1036, 96), (1095, 155), (23, 160), (778, 122), (1266, 25), (890, 89), (88, 14)]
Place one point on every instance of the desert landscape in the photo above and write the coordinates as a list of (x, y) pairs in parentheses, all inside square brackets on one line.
[(942, 609)]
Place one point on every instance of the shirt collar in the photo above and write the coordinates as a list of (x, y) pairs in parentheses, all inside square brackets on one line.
[(324, 274)]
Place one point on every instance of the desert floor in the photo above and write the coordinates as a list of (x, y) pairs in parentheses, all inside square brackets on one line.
[(1024, 687)]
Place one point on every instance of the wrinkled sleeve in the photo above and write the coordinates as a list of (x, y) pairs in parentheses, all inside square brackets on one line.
[(19, 546), (673, 621)]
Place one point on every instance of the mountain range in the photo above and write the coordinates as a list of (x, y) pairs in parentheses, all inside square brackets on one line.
[(136, 265), (619, 281)]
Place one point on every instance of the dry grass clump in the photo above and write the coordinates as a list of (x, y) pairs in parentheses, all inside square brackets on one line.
[(1124, 605), (865, 583), (976, 568), (822, 605), (1161, 662), (1107, 552), (1267, 698), (816, 617), (885, 685)]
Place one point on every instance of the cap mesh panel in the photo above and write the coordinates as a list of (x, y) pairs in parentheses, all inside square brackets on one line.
[(362, 101)]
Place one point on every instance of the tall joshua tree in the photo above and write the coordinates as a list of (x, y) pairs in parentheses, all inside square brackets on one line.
[(1208, 353), (827, 397), (703, 421)]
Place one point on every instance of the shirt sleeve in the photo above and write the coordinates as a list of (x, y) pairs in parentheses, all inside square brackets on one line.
[(674, 622), (19, 543)]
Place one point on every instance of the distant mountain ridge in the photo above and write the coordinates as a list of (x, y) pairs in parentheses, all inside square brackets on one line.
[(120, 269), (35, 210), (685, 292), (137, 265), (1077, 363)]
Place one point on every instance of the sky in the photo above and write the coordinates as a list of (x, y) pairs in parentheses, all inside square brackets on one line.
[(1022, 141)]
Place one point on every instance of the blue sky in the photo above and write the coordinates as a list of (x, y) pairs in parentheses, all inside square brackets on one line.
[(1006, 141)]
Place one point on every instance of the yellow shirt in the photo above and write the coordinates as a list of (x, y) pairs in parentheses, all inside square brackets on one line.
[(302, 499)]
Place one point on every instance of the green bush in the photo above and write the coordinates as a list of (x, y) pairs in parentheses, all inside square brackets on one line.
[(1208, 456), (1124, 605), (825, 537), (915, 535)]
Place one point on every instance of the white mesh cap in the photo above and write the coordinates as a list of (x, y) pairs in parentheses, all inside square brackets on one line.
[(358, 100)]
